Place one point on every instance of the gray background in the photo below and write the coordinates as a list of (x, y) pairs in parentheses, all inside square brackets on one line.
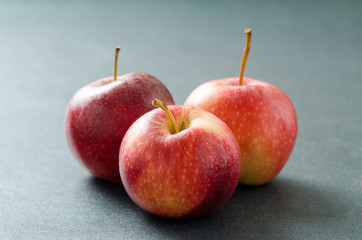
[(310, 49)]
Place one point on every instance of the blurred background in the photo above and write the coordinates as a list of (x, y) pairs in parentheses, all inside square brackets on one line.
[(310, 49)]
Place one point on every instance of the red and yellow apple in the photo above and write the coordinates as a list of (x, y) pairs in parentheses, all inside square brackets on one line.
[(99, 114), (261, 116), (179, 162)]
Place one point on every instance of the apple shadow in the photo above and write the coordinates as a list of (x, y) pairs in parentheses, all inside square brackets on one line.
[(112, 189), (113, 196), (271, 211)]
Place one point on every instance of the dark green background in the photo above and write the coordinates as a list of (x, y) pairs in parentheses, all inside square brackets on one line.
[(310, 49)]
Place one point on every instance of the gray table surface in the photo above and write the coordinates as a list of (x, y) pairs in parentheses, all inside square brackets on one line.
[(310, 49)]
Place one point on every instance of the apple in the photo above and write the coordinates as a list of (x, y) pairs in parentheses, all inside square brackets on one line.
[(261, 116), (99, 114), (179, 162)]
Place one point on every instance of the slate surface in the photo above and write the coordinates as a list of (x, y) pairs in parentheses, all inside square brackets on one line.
[(310, 49)]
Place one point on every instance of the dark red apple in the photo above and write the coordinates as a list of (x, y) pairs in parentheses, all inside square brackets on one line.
[(261, 116), (182, 162), (99, 114)]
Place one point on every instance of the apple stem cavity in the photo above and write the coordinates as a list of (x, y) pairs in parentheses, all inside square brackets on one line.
[(115, 63), (245, 54), (158, 103)]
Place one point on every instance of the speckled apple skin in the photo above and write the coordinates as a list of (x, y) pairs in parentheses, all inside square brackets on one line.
[(183, 175), (261, 116), (99, 114)]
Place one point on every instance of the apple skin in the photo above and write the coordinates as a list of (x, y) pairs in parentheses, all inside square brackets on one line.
[(183, 175), (99, 114), (261, 116)]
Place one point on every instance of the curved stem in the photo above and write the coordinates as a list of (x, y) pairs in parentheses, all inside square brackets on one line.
[(158, 103), (115, 63), (245, 55)]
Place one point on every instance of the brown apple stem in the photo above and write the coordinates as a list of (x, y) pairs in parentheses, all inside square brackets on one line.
[(158, 103), (245, 55), (115, 63)]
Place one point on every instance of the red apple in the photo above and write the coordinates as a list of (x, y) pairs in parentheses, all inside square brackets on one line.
[(261, 116), (182, 164), (99, 114)]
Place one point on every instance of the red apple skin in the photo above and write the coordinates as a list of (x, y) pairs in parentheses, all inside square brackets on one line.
[(261, 116), (183, 175), (99, 114)]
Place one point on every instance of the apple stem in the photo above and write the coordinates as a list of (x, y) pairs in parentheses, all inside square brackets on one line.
[(158, 103), (245, 54), (115, 63)]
